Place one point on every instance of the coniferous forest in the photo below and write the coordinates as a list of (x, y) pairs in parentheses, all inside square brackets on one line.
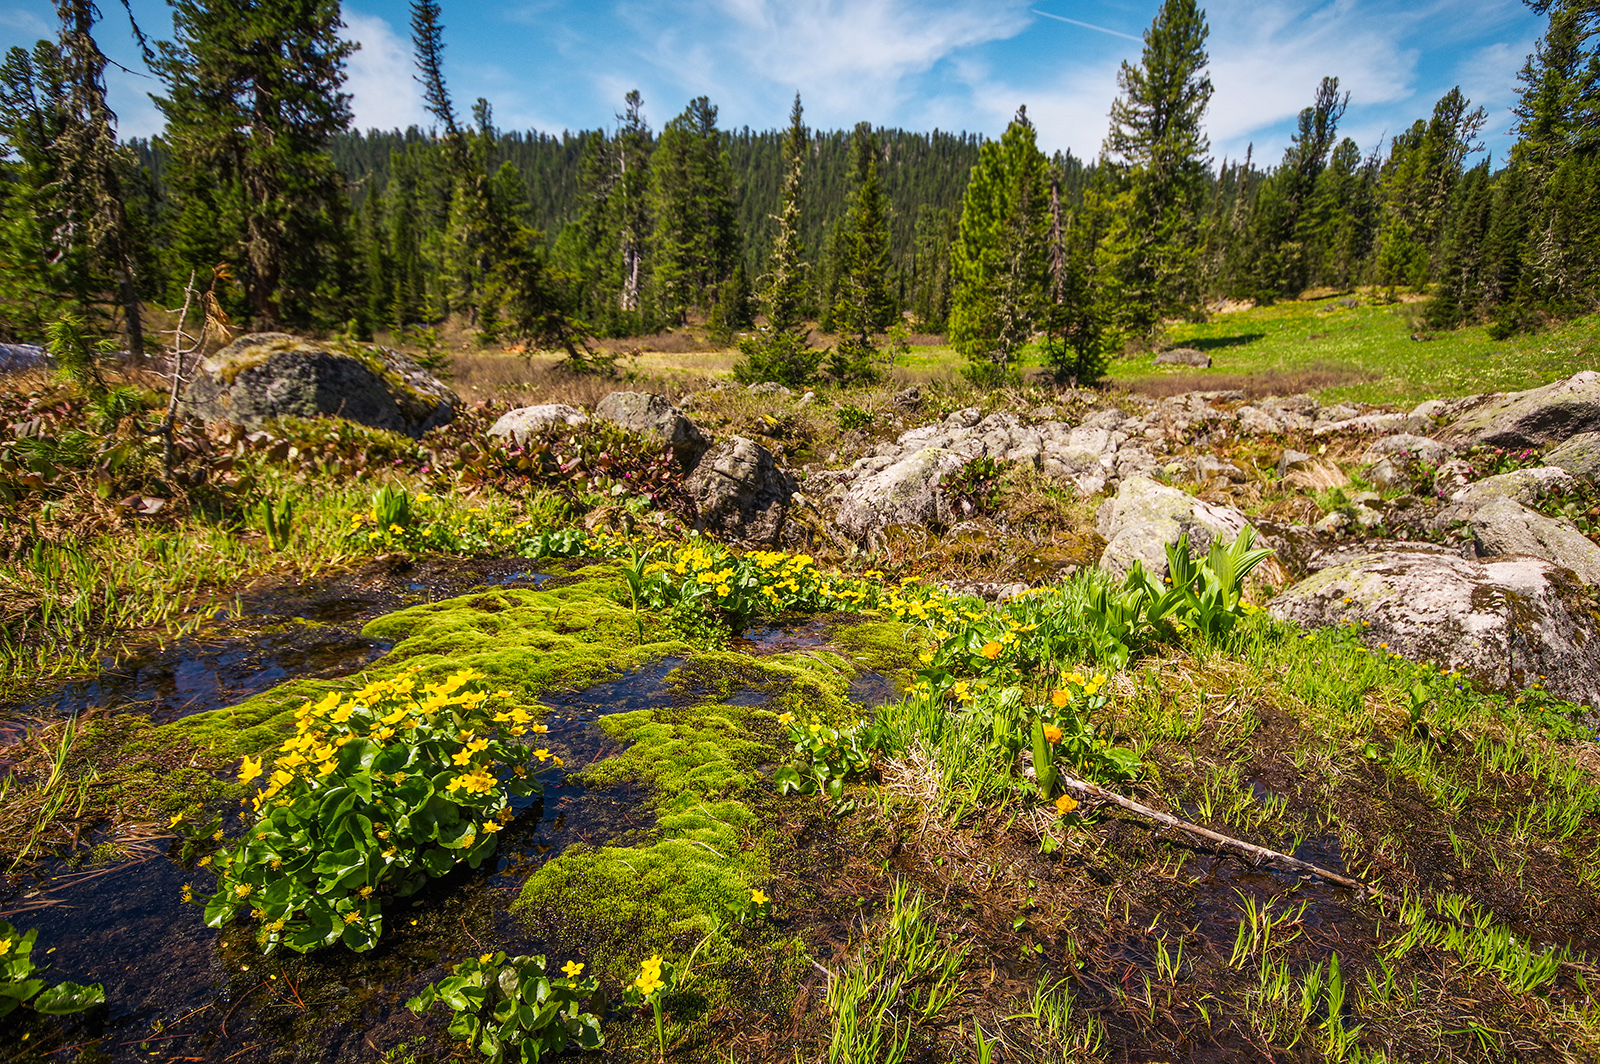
[(296, 220)]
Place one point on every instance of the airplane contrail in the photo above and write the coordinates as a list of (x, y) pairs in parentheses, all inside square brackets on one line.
[(1089, 26)]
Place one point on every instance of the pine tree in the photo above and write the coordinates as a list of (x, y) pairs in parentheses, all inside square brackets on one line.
[(696, 238), (862, 301), (1074, 342), (1417, 184), (253, 96), (780, 350), (631, 201), (95, 165), (999, 257), (1147, 261)]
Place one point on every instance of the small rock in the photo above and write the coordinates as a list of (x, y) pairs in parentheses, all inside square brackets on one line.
[(1292, 460), (1183, 356), (908, 399), (1407, 445), (1145, 516), (769, 388), (525, 422), (1578, 455), (807, 399), (650, 414), (740, 493), (1504, 526)]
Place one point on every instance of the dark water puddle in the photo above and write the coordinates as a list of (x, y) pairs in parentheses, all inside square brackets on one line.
[(177, 990), (873, 689), (784, 637), (300, 630)]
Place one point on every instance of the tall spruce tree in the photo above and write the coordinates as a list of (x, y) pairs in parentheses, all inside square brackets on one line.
[(863, 304), (696, 237), (95, 166), (780, 350), (1154, 168), (1000, 254), (1417, 184), (253, 97)]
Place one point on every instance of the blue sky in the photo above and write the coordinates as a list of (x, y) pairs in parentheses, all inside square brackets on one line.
[(919, 64)]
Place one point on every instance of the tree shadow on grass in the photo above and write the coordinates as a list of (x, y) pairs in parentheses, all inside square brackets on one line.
[(1211, 343)]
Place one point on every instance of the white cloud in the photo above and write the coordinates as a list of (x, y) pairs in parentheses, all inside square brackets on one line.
[(21, 22), (384, 95), (850, 59)]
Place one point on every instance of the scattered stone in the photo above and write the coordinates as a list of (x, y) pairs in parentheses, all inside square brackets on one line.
[(909, 399), (807, 399), (1292, 460), (1504, 526), (525, 422), (1388, 473), (1521, 485), (1184, 356), (1538, 416), (740, 493), (1406, 445), (1507, 622), (14, 357), (650, 414), (1145, 516), (261, 376), (1578, 455), (769, 388)]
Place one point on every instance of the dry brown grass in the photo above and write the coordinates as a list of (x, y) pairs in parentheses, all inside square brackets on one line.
[(1254, 385)]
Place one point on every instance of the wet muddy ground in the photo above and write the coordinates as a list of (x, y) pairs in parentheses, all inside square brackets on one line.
[(179, 991)]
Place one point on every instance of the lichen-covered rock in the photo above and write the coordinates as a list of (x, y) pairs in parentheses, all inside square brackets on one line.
[(527, 421), (905, 492), (1538, 416), (1579, 455), (1506, 622), (1522, 485), (654, 415), (1505, 526), (1146, 516), (740, 493), (269, 375)]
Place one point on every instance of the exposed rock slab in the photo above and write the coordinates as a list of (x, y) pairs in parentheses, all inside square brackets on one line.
[(902, 492), (740, 492), (1504, 526), (1538, 416), (270, 375), (1506, 622), (1183, 356)]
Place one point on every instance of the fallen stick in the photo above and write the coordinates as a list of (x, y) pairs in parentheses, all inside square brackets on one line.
[(1259, 854)]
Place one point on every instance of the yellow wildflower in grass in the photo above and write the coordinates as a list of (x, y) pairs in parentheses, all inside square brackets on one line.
[(757, 898), (5, 946), (572, 969), (1065, 804), (1052, 733), (785, 718), (249, 769), (352, 917), (186, 892), (243, 890), (1061, 698), (649, 980), (366, 891), (991, 650)]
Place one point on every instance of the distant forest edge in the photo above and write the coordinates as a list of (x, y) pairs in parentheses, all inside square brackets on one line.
[(260, 191)]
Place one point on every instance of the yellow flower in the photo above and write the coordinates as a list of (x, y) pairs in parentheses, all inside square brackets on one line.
[(490, 827), (1052, 733), (572, 969), (186, 892), (248, 771), (352, 917), (757, 898), (5, 946), (176, 818), (785, 718), (366, 891), (243, 890), (1065, 804), (991, 650), (1060, 699)]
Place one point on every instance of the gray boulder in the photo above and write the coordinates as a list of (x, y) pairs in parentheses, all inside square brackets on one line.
[(1183, 356), (1538, 416), (1407, 445), (1507, 527), (268, 375), (1506, 622), (1579, 455), (740, 493), (1145, 516), (14, 357), (654, 415), (1522, 485), (523, 423), (905, 492)]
